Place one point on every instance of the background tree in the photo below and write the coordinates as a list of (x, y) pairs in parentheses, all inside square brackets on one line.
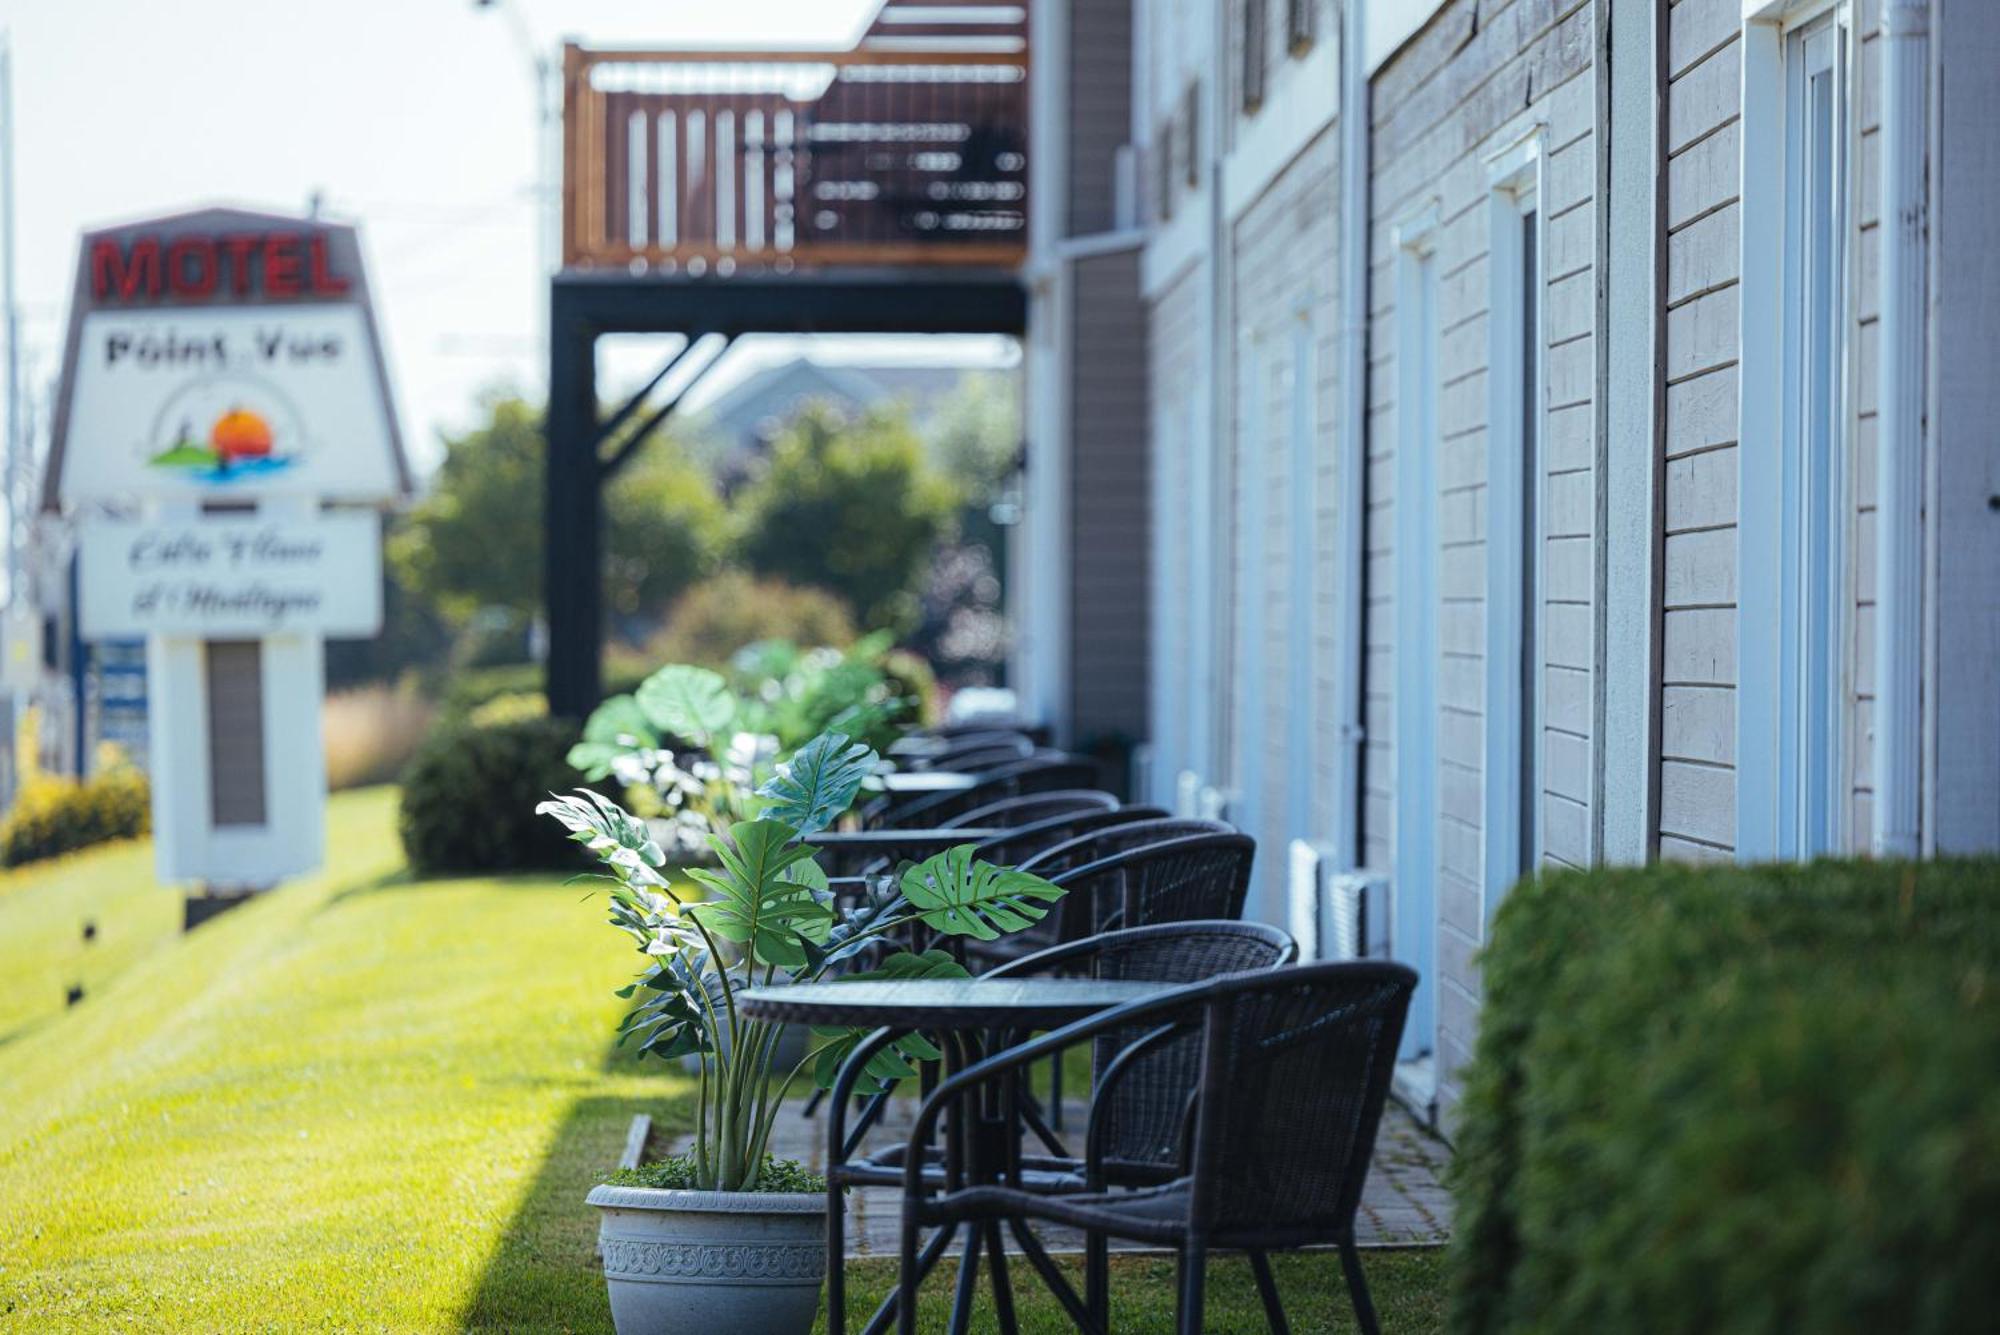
[(852, 507), (975, 433), (473, 546)]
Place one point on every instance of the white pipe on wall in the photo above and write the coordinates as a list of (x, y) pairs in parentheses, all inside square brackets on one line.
[(1899, 554), (1351, 440)]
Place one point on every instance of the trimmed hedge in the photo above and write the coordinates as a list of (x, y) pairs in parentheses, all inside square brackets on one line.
[(1758, 1099), (53, 814), (469, 798)]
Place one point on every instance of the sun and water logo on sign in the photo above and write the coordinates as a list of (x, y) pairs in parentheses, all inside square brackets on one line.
[(225, 431)]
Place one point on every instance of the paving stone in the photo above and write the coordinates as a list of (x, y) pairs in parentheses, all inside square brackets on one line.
[(1404, 1202)]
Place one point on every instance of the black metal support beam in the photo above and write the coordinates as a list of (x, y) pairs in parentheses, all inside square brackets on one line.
[(637, 440), (573, 537), (870, 301), (638, 401), (583, 306)]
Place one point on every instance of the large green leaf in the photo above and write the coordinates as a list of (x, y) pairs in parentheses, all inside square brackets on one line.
[(898, 1059), (756, 902), (691, 703), (819, 782), (958, 895), (615, 728)]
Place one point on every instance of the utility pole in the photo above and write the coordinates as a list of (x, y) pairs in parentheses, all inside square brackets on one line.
[(547, 118), (9, 298)]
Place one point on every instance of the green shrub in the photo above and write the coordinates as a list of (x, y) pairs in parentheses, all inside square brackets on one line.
[(470, 793), (911, 678), (465, 690), (1757, 1099), (53, 814), (510, 708), (719, 616)]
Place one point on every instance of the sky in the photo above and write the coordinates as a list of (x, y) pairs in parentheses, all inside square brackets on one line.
[(413, 118)]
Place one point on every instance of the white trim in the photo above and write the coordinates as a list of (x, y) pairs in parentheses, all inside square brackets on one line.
[(1351, 440), (1396, 22), (1628, 739), (1175, 247), (1788, 766), (1042, 649), (1759, 481), (1302, 99), (1249, 635), (1092, 245), (1899, 495), (1414, 909), (1301, 574), (1515, 521)]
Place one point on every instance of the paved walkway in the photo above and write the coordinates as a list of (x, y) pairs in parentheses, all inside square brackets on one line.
[(1403, 1204)]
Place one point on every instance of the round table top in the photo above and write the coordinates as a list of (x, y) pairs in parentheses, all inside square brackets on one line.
[(927, 781), (945, 1003), (935, 840)]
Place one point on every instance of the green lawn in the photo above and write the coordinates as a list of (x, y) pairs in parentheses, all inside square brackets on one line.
[(358, 1103)]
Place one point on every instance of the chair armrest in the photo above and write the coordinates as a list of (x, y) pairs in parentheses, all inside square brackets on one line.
[(1001, 1064), (1121, 1066)]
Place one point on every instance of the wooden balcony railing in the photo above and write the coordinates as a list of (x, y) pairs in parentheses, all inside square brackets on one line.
[(908, 149)]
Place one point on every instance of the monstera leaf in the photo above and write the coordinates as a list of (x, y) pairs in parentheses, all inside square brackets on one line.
[(615, 728), (756, 903), (819, 782), (899, 1059), (958, 895), (620, 840), (691, 703)]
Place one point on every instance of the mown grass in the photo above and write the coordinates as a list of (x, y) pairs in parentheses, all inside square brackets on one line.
[(366, 1103), (43, 910), (1407, 1286), (356, 1103)]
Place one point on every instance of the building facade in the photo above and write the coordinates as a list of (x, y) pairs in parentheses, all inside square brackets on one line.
[(1562, 440)]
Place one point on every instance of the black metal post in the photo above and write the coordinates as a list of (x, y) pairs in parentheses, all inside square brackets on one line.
[(573, 553)]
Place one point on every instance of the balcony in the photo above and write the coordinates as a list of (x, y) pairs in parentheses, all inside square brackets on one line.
[(908, 149)]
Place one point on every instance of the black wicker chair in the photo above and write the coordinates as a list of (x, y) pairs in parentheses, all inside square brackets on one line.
[(1128, 874), (1274, 1144), (975, 755), (1013, 812), (1013, 847), (1097, 843), (1042, 772), (1140, 1135)]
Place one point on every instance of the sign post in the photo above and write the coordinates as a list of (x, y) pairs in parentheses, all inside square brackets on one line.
[(224, 440)]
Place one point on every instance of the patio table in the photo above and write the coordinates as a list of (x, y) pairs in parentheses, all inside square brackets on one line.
[(848, 850), (927, 781), (979, 1142)]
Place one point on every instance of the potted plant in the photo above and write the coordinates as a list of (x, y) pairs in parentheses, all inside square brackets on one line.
[(691, 747), (724, 1239)]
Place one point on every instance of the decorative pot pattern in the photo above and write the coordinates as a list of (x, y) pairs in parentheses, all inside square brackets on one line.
[(711, 1262)]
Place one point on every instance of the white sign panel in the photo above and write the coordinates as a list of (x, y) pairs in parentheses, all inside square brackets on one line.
[(231, 576), (194, 402)]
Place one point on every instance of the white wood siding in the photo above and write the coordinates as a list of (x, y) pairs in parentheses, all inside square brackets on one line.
[(1474, 80), (1285, 259), (1183, 494), (1704, 249)]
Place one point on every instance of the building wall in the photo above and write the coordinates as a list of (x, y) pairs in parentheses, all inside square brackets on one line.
[(1110, 494), (1704, 318), (1099, 119), (1284, 264), (1182, 496), (1864, 272), (1473, 81), (1698, 678)]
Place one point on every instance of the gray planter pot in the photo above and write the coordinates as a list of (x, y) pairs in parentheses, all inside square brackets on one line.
[(711, 1262)]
